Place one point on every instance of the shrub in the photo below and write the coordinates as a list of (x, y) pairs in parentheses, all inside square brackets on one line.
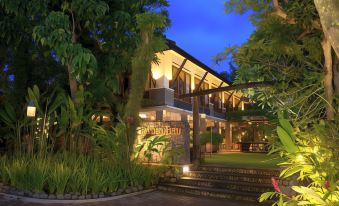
[(205, 138)]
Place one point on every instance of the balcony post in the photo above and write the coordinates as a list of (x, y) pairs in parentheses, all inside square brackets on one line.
[(196, 131)]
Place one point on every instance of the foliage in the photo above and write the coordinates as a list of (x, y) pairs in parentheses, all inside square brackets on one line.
[(312, 155), (287, 51), (64, 149), (160, 147), (65, 173), (205, 138), (149, 43)]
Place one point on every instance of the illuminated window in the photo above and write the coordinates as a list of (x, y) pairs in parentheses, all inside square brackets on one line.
[(182, 83)]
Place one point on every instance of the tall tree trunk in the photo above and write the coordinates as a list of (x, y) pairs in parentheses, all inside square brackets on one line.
[(329, 14), (328, 78), (73, 85), (336, 80), (141, 65)]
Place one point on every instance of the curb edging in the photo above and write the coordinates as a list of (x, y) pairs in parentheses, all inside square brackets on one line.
[(48, 201)]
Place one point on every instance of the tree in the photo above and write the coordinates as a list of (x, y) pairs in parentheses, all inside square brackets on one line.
[(329, 15), (91, 42), (286, 48), (149, 44)]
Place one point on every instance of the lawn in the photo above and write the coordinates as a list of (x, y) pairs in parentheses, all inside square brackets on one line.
[(244, 160)]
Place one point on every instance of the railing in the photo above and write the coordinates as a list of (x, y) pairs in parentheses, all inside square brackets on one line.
[(182, 105)]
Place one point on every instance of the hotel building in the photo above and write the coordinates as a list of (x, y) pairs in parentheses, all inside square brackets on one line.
[(177, 73)]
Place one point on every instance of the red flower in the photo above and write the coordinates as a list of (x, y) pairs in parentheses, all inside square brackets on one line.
[(327, 184), (130, 120), (275, 185)]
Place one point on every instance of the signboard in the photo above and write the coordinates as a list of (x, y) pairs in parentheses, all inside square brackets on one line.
[(160, 130), (177, 131)]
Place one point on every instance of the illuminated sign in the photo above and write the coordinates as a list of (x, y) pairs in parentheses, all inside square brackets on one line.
[(159, 130)]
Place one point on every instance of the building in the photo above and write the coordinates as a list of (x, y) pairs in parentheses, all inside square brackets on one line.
[(180, 73)]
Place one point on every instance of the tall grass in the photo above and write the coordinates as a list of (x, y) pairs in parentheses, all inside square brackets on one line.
[(66, 173)]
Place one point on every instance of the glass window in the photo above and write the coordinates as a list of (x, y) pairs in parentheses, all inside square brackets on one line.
[(182, 85)]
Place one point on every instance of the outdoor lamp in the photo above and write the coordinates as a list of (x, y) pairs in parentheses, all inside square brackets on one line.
[(31, 109), (185, 169)]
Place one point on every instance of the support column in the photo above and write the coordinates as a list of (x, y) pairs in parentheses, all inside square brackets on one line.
[(228, 136), (159, 116), (196, 132), (184, 117), (203, 124)]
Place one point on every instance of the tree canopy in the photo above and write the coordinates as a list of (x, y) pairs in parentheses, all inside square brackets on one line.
[(290, 48)]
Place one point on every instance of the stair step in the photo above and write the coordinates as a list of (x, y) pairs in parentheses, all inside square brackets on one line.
[(210, 192), (229, 177), (250, 171), (226, 184)]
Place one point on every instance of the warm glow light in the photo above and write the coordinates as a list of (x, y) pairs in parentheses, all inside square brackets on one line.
[(185, 169), (156, 74), (203, 115), (106, 118), (143, 116), (31, 109), (242, 106), (192, 86)]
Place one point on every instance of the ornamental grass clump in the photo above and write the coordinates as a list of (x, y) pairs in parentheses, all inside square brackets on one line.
[(59, 177)]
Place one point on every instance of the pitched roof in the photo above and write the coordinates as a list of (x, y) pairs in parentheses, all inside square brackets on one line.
[(173, 46)]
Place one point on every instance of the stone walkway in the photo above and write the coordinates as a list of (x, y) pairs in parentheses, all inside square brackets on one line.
[(156, 198)]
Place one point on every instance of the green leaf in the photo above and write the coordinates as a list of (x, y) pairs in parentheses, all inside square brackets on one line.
[(266, 196), (309, 194), (285, 124), (287, 141)]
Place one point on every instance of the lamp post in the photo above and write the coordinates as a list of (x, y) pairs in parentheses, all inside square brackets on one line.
[(31, 109)]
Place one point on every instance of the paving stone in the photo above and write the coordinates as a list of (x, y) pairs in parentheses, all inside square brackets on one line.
[(67, 196), (60, 197), (82, 197), (140, 187), (120, 191), (52, 197), (74, 197)]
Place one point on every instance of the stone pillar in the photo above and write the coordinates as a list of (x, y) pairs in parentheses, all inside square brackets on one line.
[(184, 117), (203, 124), (159, 116)]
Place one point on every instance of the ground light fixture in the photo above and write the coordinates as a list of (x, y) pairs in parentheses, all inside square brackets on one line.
[(31, 109), (185, 168)]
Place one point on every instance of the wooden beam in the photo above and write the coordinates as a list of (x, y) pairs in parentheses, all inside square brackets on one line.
[(220, 84), (228, 88), (240, 100), (177, 73), (200, 83)]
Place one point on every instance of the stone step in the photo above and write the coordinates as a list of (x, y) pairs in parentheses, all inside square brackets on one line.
[(225, 184), (249, 171), (230, 177), (210, 192)]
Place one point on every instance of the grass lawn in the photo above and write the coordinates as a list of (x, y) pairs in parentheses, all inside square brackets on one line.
[(244, 160)]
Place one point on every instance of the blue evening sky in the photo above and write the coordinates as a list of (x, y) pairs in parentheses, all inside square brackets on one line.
[(203, 29)]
